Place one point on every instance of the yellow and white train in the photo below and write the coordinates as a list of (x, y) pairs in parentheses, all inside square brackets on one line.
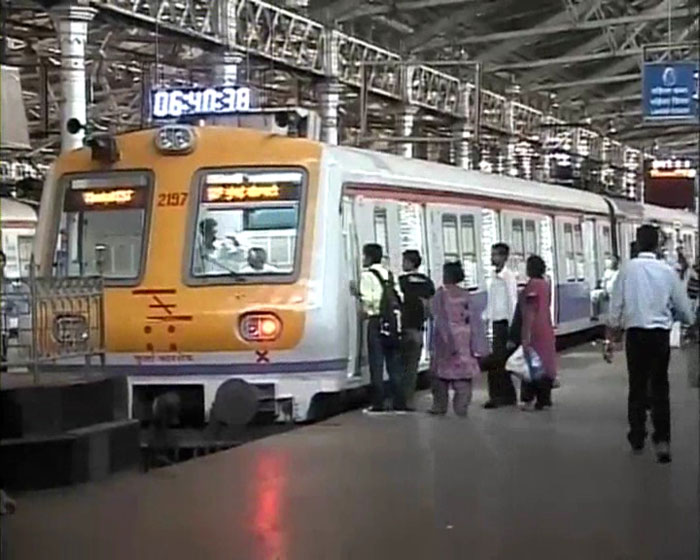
[(233, 253)]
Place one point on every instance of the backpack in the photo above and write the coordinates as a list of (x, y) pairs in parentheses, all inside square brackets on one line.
[(389, 311)]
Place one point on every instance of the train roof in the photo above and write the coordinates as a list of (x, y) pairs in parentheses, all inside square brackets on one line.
[(669, 216), (12, 210), (388, 169)]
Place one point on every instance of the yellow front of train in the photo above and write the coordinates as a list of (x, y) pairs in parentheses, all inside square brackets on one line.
[(202, 235)]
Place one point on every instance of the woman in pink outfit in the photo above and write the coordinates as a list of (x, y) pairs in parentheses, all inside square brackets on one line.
[(538, 334), (455, 343)]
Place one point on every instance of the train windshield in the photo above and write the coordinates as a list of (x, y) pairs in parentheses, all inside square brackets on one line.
[(247, 224), (103, 224)]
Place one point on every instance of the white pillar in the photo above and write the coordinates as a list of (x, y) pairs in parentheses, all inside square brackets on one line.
[(71, 23), (329, 101), (405, 120), (462, 130), (228, 69)]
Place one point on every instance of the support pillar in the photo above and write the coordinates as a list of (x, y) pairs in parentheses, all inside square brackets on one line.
[(329, 101), (464, 146), (330, 88), (405, 121), (228, 69), (71, 23)]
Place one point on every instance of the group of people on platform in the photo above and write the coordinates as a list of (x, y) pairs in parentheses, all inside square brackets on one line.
[(459, 346), (646, 297)]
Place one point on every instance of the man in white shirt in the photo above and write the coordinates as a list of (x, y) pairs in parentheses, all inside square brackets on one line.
[(503, 298), (647, 298)]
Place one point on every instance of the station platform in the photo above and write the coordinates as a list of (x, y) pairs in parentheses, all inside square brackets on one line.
[(500, 484)]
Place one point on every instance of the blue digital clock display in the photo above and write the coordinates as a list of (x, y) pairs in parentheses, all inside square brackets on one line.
[(185, 102)]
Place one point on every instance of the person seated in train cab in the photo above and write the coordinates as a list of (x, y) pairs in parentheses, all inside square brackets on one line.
[(257, 263), (537, 333), (647, 295), (416, 289), (456, 343), (377, 285), (500, 309), (211, 254)]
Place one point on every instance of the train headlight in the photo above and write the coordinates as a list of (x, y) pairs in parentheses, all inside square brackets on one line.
[(260, 327), (176, 139)]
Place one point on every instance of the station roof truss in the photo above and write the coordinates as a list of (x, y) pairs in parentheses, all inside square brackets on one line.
[(569, 65)]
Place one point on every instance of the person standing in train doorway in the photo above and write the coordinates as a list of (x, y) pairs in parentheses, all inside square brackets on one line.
[(417, 289), (381, 304), (502, 300), (646, 295)]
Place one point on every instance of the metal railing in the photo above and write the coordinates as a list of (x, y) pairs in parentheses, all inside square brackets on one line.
[(51, 321)]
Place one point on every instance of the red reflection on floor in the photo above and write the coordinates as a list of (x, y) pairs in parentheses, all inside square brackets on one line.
[(270, 485)]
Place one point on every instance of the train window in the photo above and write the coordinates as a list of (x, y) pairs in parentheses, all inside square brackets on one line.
[(569, 252), (530, 238), (450, 240), (607, 243), (247, 224), (381, 232), (578, 248), (104, 224), (517, 247), (469, 260), (25, 244)]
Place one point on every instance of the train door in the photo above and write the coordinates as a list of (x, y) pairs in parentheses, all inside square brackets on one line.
[(592, 270), (573, 294), (352, 271)]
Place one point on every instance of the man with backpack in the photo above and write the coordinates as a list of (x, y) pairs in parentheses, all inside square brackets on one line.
[(382, 307), (417, 289)]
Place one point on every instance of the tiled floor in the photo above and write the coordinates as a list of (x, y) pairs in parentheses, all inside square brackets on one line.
[(559, 484)]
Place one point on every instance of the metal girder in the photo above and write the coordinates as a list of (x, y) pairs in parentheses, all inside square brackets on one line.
[(621, 66), (583, 10), (564, 60), (586, 82), (582, 26), (425, 37), (596, 43)]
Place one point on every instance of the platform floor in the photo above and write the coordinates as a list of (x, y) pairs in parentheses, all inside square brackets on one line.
[(502, 484)]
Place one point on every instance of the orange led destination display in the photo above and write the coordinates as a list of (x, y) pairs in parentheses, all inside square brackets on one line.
[(254, 192), (105, 199), (242, 193)]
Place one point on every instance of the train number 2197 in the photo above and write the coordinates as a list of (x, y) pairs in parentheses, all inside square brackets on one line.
[(172, 199)]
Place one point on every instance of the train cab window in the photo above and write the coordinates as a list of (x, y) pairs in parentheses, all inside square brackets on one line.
[(247, 225), (103, 226), (450, 238), (381, 232), (569, 251), (469, 258), (580, 256)]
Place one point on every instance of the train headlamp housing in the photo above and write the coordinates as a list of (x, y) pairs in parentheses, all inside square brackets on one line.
[(70, 329), (176, 139), (260, 327)]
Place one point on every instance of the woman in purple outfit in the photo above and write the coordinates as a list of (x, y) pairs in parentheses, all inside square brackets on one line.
[(455, 343), (538, 334)]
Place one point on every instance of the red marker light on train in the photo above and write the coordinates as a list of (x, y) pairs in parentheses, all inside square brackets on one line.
[(257, 327)]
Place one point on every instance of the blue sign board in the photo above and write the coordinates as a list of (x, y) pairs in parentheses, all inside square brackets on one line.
[(670, 91)]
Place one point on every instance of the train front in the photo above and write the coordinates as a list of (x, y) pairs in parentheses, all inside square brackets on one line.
[(204, 237)]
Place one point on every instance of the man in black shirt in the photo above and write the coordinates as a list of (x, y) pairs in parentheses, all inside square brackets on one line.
[(417, 289)]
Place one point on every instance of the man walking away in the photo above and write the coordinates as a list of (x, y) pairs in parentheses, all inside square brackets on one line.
[(381, 306), (645, 297), (417, 289), (503, 298)]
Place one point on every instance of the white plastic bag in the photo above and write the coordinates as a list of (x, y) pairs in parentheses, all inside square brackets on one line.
[(676, 335), (517, 365)]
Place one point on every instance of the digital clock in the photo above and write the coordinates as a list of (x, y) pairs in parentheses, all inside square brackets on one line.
[(185, 102)]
